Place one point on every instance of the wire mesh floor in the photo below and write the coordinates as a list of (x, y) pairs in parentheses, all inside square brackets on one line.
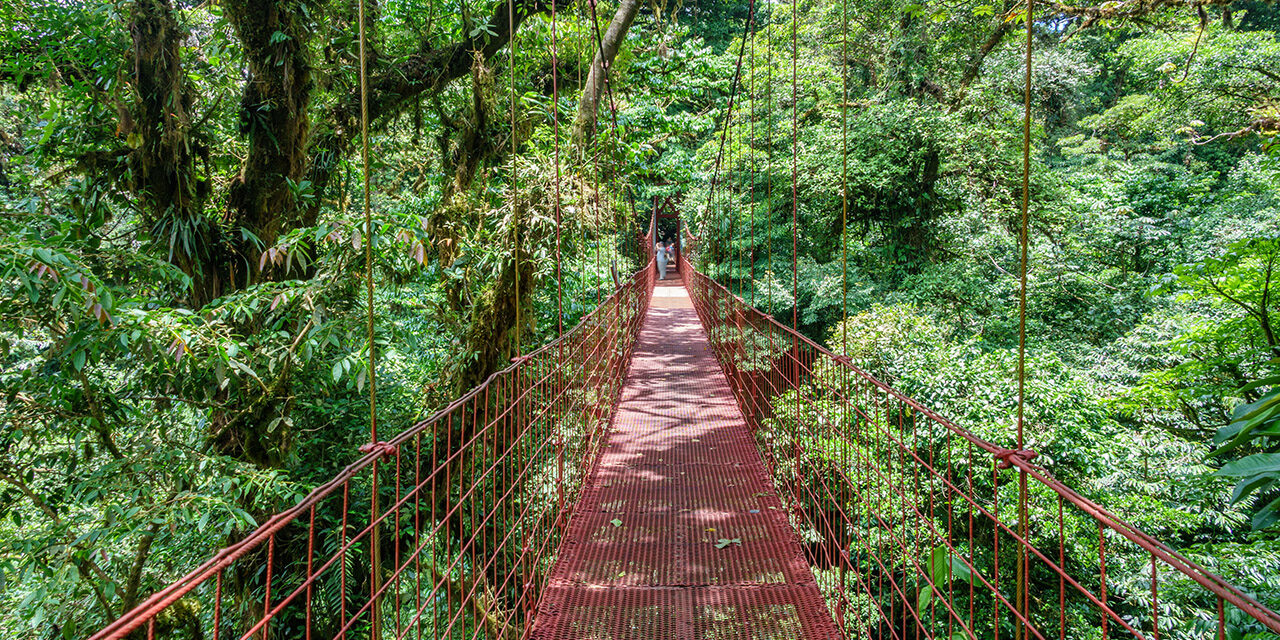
[(680, 533)]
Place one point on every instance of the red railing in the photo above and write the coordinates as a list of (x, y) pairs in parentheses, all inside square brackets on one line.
[(445, 531), (916, 528)]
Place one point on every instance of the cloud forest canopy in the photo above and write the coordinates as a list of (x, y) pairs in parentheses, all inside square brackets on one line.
[(181, 320)]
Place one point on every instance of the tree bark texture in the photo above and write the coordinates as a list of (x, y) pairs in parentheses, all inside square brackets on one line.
[(584, 125)]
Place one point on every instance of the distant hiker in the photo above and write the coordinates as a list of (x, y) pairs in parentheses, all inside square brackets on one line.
[(662, 260), (671, 253)]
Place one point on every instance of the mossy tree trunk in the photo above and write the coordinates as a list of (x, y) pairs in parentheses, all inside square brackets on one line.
[(165, 148), (275, 117)]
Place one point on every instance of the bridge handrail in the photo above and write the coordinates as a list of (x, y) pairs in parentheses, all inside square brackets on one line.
[(1014, 459), (255, 540)]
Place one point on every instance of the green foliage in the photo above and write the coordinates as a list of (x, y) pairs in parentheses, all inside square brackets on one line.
[(169, 376), (1153, 217), (1255, 426)]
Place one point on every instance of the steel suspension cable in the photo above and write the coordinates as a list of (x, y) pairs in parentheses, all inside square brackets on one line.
[(515, 179), (733, 92), (769, 137), (595, 29), (795, 172), (555, 123), (1022, 233), (375, 555), (751, 162), (795, 254), (613, 110), (1023, 241), (844, 263), (368, 225), (844, 175), (595, 157), (735, 177), (584, 250), (730, 196), (604, 64)]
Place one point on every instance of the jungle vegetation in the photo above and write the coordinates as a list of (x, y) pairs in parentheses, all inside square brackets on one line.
[(181, 309)]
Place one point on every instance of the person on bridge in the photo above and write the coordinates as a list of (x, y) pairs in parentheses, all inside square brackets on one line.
[(661, 252)]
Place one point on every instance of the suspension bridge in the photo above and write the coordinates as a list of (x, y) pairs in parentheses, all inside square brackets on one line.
[(682, 465)]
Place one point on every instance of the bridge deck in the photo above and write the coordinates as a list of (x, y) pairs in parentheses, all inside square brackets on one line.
[(679, 475)]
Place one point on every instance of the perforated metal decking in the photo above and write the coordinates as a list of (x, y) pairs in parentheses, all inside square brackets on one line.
[(679, 473)]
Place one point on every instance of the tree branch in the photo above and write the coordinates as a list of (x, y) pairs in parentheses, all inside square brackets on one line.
[(393, 89), (1126, 9)]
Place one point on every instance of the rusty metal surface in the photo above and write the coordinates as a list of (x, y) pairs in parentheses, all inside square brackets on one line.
[(661, 463), (680, 533), (473, 504), (910, 519)]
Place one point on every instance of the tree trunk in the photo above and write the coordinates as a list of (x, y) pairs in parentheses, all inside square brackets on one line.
[(163, 160), (584, 125), (274, 116), (974, 65)]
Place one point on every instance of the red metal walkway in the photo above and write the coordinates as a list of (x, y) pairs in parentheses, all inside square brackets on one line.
[(679, 532)]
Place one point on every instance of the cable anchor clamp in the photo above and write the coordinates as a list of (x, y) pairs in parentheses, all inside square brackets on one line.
[(1009, 457), (383, 449)]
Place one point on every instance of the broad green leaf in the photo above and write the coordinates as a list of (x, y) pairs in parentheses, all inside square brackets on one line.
[(1255, 464)]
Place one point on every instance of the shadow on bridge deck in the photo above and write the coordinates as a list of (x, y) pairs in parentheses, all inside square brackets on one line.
[(678, 475)]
